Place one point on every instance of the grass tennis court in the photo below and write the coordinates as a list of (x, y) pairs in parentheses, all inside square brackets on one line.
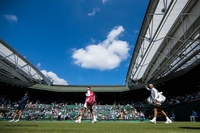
[(100, 127)]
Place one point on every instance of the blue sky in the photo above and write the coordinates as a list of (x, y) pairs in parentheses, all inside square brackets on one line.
[(75, 42)]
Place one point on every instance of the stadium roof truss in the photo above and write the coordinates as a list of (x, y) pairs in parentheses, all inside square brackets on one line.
[(16, 70), (168, 42)]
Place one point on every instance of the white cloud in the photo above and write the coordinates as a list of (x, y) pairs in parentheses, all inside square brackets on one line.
[(56, 80), (94, 11), (11, 18), (136, 31), (104, 1), (106, 55), (39, 65)]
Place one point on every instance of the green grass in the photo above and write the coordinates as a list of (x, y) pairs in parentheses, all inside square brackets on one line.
[(99, 127)]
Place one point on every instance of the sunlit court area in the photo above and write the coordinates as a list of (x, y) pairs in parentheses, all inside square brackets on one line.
[(164, 61), (108, 127)]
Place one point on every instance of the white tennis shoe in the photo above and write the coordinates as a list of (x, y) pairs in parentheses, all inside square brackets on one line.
[(11, 120), (153, 121), (94, 121), (168, 122), (16, 120), (78, 121)]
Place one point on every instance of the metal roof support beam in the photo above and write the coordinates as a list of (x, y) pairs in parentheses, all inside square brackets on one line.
[(187, 21), (11, 72), (22, 69), (152, 39), (179, 25), (177, 51)]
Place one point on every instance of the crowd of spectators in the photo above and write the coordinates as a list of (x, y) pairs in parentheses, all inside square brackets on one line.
[(185, 98), (42, 110)]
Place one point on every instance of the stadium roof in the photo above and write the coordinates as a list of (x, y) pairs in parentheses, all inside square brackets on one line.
[(167, 47), (79, 88), (15, 69), (168, 42)]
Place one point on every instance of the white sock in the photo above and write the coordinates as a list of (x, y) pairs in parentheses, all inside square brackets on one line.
[(94, 117)]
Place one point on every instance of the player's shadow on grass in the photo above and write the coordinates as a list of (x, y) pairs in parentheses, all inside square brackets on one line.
[(191, 127)]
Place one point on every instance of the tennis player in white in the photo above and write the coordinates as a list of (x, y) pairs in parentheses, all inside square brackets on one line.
[(156, 104)]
